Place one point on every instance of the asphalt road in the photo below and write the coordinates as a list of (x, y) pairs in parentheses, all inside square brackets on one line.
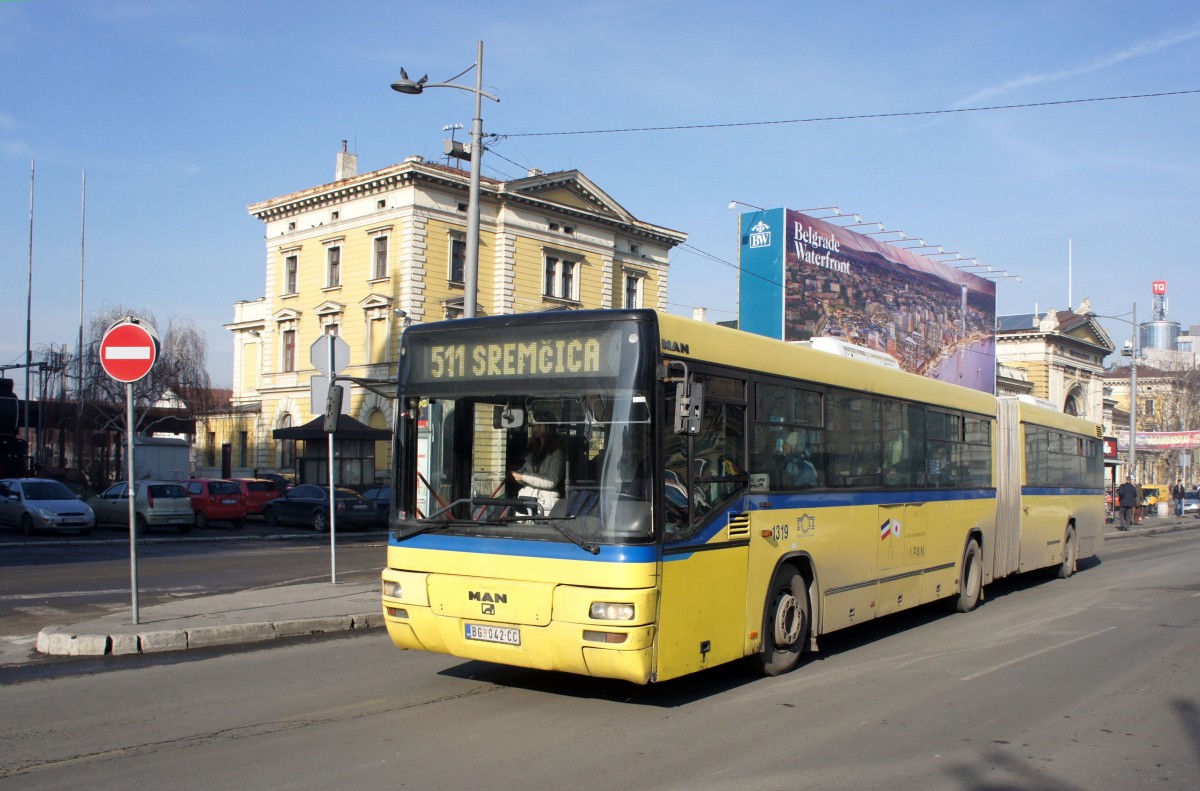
[(60, 581), (1088, 683)]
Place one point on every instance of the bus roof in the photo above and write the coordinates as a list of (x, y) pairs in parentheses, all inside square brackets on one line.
[(713, 343)]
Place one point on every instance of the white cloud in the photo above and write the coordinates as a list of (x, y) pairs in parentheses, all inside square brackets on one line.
[(1137, 50)]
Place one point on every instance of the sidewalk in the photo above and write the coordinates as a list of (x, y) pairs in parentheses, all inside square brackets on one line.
[(250, 616), (265, 614)]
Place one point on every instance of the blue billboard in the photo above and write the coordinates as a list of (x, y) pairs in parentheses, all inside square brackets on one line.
[(801, 278)]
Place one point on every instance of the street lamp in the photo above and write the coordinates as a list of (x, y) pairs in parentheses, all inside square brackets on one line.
[(1131, 351), (412, 87)]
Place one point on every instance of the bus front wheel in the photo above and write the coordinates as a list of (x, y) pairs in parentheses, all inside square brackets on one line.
[(970, 584), (785, 623)]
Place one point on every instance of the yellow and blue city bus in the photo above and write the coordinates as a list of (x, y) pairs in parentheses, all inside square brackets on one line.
[(720, 496)]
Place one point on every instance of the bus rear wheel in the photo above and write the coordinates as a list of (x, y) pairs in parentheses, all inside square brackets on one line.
[(1070, 554), (970, 585), (785, 623)]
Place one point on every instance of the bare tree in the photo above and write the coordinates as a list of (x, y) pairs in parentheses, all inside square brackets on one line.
[(177, 382)]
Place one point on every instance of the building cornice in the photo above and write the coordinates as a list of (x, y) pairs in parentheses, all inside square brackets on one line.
[(603, 211)]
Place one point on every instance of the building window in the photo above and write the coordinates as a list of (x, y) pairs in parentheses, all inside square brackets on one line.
[(333, 329), (291, 265), (289, 351), (210, 453), (381, 256), (333, 267), (560, 279), (633, 291), (243, 449), (458, 260)]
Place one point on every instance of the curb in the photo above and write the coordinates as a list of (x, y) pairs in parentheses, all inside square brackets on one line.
[(62, 641), (1174, 527)]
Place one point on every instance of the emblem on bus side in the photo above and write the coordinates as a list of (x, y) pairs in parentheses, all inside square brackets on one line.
[(806, 525), (675, 346)]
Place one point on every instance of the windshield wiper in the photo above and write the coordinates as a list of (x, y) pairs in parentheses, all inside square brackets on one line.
[(586, 546)]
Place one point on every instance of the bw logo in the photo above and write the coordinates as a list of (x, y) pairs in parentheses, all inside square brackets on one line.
[(806, 525), (488, 609), (760, 234)]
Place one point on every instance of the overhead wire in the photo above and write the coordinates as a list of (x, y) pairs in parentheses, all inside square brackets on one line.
[(858, 117)]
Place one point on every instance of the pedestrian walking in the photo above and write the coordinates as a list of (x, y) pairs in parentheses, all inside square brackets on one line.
[(1177, 496), (1127, 499)]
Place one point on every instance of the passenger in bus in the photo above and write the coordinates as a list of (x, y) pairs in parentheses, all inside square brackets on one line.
[(797, 471), (541, 473)]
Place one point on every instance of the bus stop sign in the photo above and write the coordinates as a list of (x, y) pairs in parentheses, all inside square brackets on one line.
[(128, 350), (320, 353)]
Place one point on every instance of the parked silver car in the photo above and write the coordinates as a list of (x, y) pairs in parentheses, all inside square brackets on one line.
[(34, 504), (157, 504)]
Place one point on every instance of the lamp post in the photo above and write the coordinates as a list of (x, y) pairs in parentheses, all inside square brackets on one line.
[(412, 87), (1133, 358), (1133, 352)]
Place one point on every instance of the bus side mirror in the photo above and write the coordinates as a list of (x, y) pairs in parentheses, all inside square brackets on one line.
[(689, 408), (333, 408)]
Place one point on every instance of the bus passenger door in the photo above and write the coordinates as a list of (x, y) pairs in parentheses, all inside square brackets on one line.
[(702, 605), (900, 556)]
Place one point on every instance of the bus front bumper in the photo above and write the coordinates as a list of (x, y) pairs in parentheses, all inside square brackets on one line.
[(623, 652)]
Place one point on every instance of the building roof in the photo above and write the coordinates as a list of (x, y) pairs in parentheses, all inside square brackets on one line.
[(1082, 327), (565, 192)]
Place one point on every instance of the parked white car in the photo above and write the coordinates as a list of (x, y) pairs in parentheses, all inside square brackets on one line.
[(157, 504), (1191, 503), (34, 504)]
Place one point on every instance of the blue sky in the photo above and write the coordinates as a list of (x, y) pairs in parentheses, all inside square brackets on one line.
[(183, 112)]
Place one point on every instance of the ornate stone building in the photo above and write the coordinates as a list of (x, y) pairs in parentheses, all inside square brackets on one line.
[(366, 254), (1061, 353)]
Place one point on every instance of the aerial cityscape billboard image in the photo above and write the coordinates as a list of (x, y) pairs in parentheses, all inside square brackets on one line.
[(802, 277)]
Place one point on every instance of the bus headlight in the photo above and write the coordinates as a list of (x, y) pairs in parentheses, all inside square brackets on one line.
[(393, 590), (611, 611)]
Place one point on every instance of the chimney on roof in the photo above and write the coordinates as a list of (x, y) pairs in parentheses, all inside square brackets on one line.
[(347, 164), (535, 172)]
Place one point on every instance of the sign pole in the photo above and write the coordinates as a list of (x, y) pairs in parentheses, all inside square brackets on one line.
[(127, 353), (132, 495), (332, 491)]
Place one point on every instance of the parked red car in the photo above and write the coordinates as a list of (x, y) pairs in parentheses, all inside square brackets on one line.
[(216, 500), (257, 492)]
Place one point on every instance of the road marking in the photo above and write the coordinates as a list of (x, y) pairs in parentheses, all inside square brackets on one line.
[(1047, 649), (188, 590)]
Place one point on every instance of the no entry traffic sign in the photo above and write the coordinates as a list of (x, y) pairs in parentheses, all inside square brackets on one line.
[(128, 350)]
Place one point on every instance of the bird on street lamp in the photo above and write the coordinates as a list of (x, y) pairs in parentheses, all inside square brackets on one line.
[(412, 87)]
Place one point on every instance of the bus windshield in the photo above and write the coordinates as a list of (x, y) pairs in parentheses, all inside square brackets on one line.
[(567, 466), (543, 434)]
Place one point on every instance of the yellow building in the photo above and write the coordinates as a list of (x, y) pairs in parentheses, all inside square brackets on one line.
[(365, 254)]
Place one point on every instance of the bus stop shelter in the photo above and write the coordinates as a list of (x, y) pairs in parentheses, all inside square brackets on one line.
[(353, 451)]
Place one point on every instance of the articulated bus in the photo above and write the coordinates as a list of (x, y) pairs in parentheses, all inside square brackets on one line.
[(719, 496)]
